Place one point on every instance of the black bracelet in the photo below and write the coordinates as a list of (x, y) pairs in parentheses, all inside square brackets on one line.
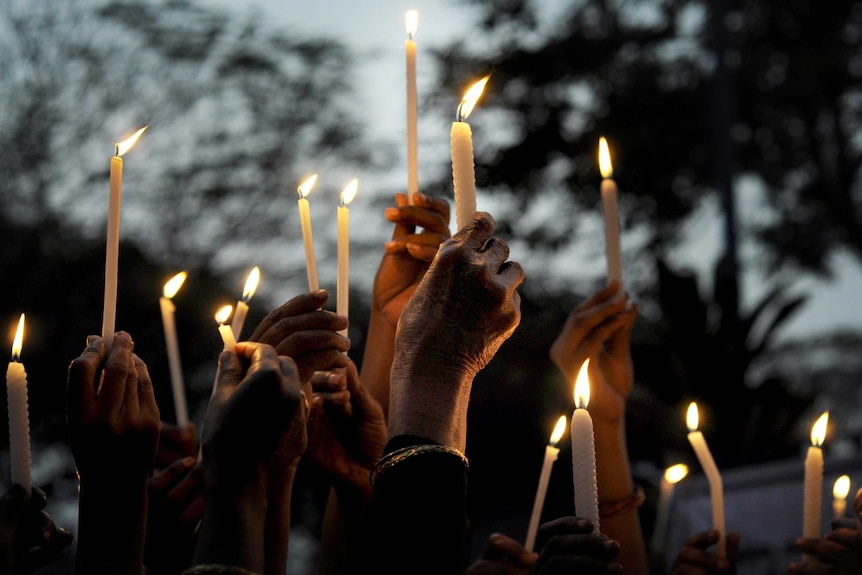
[(399, 455)]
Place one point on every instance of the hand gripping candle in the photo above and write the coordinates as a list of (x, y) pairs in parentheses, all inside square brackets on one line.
[(463, 170)]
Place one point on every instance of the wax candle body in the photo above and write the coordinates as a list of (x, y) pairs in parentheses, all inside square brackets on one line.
[(813, 496), (239, 318), (19, 424), (227, 337), (412, 112), (343, 279), (173, 348), (839, 507), (716, 488), (612, 230), (463, 172), (658, 536), (308, 242), (112, 251), (551, 454), (584, 467)]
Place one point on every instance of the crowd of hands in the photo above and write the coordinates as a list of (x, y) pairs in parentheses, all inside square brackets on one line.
[(158, 499)]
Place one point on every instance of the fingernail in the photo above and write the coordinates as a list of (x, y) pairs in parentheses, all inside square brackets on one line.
[(334, 377), (319, 292), (582, 523), (420, 196), (188, 462), (609, 544)]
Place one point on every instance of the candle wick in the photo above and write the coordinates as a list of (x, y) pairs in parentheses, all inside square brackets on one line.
[(410, 36), (458, 115), (116, 148)]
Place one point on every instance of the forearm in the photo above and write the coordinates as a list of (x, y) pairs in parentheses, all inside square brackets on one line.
[(277, 527), (112, 524), (232, 528), (377, 359)]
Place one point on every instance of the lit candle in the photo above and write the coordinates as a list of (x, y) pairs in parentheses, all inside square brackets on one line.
[(839, 496), (814, 484), (611, 215), (307, 238), (463, 171), (242, 305), (343, 280), (112, 251), (716, 489), (584, 452), (172, 286), (19, 414), (411, 19), (225, 330), (551, 453), (672, 475)]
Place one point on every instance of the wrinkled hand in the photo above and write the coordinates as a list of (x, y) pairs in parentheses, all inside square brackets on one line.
[(409, 253), (175, 443), (465, 307), (347, 438), (839, 553), (113, 430), (694, 559), (600, 329), (175, 506), (255, 424), (29, 539), (503, 556), (567, 545), (303, 331)]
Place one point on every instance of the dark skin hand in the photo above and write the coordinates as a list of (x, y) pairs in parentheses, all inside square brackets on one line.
[(839, 553), (29, 538), (567, 545), (176, 443), (503, 556), (695, 558), (301, 330)]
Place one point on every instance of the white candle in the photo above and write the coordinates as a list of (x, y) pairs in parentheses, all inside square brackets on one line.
[(112, 250), (307, 238), (343, 280), (463, 170), (224, 329), (411, 19), (716, 488), (611, 214), (672, 475), (19, 414), (814, 484), (242, 305), (584, 452), (172, 286), (551, 453), (840, 490)]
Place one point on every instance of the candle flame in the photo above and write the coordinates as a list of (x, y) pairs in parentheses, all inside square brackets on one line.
[(471, 97), (559, 429), (19, 340), (675, 473), (411, 20), (818, 430), (251, 284), (223, 313), (173, 285), (605, 165), (582, 386), (125, 145), (841, 487), (691, 418), (305, 187), (349, 191)]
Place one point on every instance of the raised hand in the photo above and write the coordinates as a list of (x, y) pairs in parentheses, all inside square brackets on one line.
[(29, 538), (503, 556), (695, 558)]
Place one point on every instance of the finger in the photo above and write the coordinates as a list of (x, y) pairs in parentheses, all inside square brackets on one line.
[(312, 340), (422, 252), (319, 360), (501, 546), (230, 370), (190, 485), (438, 205), (83, 380), (408, 217), (334, 398), (509, 276), (289, 325), (328, 381), (146, 393), (477, 231), (263, 357), (566, 524), (131, 397), (401, 227), (300, 304), (117, 367), (170, 476)]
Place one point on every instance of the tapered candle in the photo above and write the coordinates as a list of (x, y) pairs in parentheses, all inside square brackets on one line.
[(463, 170), (224, 329), (840, 490), (19, 413), (411, 20), (551, 453), (112, 251), (584, 452), (671, 476), (343, 279), (172, 286), (716, 488), (242, 305), (814, 484), (611, 214), (307, 238)]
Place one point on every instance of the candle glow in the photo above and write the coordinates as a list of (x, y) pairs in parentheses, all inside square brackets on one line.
[(343, 278), (19, 413), (551, 453), (840, 490), (170, 289), (716, 488), (307, 237), (671, 476), (239, 315), (173, 285), (584, 452), (226, 332), (463, 168), (812, 501), (411, 21), (610, 213)]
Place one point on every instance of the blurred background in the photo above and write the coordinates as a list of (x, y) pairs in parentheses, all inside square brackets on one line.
[(736, 134)]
